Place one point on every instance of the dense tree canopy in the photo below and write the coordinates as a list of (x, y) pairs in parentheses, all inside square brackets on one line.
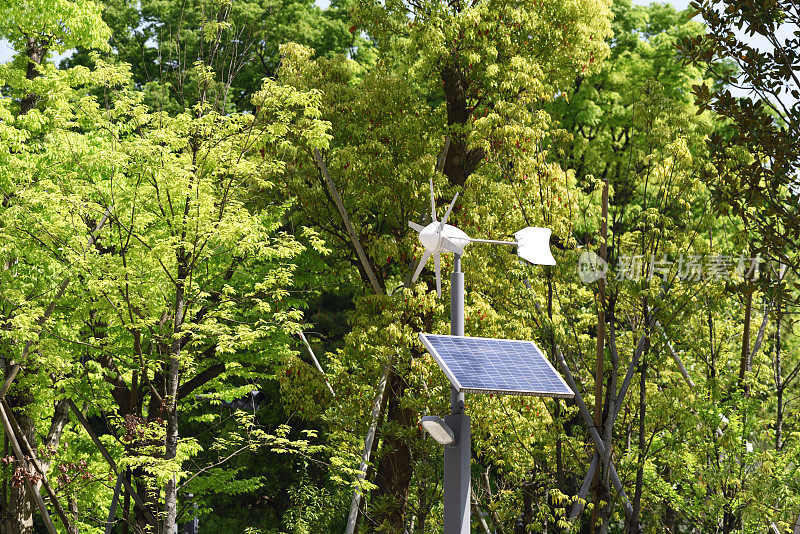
[(200, 183)]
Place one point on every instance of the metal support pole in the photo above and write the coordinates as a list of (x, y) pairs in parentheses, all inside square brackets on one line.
[(457, 456), (457, 476), (457, 298), (456, 324)]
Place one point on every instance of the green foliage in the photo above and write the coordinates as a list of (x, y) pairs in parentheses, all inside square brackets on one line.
[(61, 24), (163, 39), (183, 271), (754, 160), (191, 143)]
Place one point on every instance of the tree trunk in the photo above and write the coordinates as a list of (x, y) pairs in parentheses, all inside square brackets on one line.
[(393, 475), (460, 162), (670, 514), (17, 518), (611, 401), (712, 362), (126, 505), (35, 51), (6, 471), (57, 423), (73, 508), (633, 527), (527, 505), (150, 496), (746, 357), (600, 351), (171, 400), (369, 470), (779, 387)]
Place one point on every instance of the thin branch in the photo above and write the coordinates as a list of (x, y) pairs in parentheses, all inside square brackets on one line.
[(104, 451), (362, 468), (598, 442), (577, 508), (675, 357), (21, 458), (203, 470), (337, 200), (53, 498)]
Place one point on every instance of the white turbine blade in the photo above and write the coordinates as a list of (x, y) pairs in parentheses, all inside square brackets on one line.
[(415, 226), (438, 275), (421, 265), (433, 204), (447, 244), (449, 209)]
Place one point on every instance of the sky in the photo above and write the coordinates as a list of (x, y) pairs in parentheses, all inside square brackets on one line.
[(679, 4)]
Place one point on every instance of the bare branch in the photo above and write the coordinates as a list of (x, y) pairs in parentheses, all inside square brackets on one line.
[(104, 451), (347, 224)]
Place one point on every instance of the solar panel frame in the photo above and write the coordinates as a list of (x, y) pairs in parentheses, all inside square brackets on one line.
[(562, 391)]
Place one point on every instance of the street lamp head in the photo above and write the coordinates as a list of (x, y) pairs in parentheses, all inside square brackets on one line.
[(533, 245), (438, 430)]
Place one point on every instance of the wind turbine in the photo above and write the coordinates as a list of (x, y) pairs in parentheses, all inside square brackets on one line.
[(437, 237), (533, 243)]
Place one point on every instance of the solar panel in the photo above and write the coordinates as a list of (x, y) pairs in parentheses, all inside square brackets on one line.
[(504, 366)]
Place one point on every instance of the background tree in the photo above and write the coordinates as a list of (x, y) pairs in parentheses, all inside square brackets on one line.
[(35, 30), (751, 48), (638, 136), (162, 40), (479, 63), (184, 289)]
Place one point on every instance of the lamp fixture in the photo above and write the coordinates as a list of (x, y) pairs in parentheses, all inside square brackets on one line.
[(438, 429)]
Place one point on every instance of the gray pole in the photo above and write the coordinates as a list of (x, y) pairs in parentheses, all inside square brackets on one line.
[(457, 456)]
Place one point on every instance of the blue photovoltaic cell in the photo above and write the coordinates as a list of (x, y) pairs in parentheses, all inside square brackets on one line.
[(485, 365)]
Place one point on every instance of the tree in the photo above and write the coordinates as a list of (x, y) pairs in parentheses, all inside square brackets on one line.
[(755, 160), (158, 245), (753, 157), (185, 286), (37, 29), (484, 73), (633, 142), (161, 40), (630, 141), (34, 30)]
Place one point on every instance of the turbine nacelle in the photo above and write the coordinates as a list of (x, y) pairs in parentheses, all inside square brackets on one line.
[(439, 238)]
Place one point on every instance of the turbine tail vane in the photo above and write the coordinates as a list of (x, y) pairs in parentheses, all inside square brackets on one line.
[(533, 245)]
